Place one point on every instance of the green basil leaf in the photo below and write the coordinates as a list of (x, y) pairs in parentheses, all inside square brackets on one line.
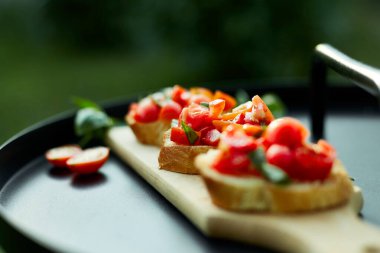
[(85, 103), (241, 97), (270, 172), (205, 104), (191, 135), (275, 104), (274, 174), (258, 157)]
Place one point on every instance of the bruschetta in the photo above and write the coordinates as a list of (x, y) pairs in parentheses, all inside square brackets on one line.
[(277, 172), (152, 115), (199, 127)]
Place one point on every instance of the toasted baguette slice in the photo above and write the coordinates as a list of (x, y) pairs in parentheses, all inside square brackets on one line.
[(253, 193), (148, 133), (179, 158)]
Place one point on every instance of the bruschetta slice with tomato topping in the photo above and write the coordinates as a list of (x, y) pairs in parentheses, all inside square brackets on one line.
[(152, 115), (277, 172), (199, 128)]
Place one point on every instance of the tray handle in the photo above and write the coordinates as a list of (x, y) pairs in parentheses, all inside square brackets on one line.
[(326, 56)]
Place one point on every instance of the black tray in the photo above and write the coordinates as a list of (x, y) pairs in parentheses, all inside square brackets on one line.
[(46, 209)]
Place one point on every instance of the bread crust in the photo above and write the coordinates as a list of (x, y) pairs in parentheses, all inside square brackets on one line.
[(256, 194), (179, 158), (148, 133)]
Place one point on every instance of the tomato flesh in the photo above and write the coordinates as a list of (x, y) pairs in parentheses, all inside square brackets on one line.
[(59, 155), (147, 111), (234, 139), (170, 110), (216, 108), (310, 165), (197, 117), (210, 137), (178, 136), (281, 156), (88, 161), (286, 131), (261, 111), (237, 164), (230, 101)]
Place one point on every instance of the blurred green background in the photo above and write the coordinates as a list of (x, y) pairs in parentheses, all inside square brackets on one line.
[(51, 50)]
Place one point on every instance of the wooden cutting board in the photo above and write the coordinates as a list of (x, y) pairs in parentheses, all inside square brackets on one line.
[(333, 230)]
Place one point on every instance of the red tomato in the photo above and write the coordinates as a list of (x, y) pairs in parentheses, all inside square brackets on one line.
[(210, 136), (310, 165), (281, 156), (201, 91), (234, 139), (216, 108), (230, 101), (178, 136), (88, 161), (261, 111), (286, 131), (180, 95), (147, 111), (59, 155), (198, 98), (196, 116), (326, 148), (236, 164), (239, 119), (170, 110)]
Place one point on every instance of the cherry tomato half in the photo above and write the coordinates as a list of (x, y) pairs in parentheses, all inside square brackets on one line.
[(170, 110), (311, 165), (89, 160), (147, 111), (59, 155), (286, 131)]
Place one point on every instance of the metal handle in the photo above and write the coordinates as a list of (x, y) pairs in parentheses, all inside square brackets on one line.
[(365, 76)]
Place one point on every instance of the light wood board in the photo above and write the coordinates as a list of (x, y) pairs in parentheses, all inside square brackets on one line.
[(333, 230)]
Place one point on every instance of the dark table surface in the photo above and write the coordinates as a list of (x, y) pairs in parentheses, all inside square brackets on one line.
[(58, 206)]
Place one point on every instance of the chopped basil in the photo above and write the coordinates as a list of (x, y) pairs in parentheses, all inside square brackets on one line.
[(191, 135), (85, 103), (269, 171), (91, 122), (205, 104)]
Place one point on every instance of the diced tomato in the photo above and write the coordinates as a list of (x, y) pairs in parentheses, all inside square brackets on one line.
[(239, 119), (230, 115), (247, 106), (147, 111), (88, 161), (178, 136), (237, 164), (59, 155), (310, 165), (234, 139), (261, 111), (210, 136), (262, 142), (216, 108), (170, 110), (252, 130), (220, 125), (180, 95), (199, 98), (196, 116), (281, 156), (230, 101), (286, 131), (202, 91), (326, 148)]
